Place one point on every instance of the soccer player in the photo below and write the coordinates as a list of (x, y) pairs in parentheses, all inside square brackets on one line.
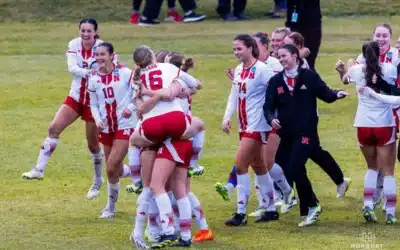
[(247, 94), (81, 64), (376, 130)]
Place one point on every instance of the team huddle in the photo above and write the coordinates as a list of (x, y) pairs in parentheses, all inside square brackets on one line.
[(144, 114)]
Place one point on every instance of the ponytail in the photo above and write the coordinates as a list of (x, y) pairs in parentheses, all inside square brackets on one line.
[(373, 66), (188, 64)]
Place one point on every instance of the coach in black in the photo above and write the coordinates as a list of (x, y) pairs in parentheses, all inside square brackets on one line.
[(293, 94), (304, 16)]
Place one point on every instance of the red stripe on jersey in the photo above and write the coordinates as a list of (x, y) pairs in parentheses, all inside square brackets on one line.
[(108, 117), (242, 114), (114, 116), (82, 90)]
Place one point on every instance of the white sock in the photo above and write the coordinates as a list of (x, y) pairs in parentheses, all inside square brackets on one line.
[(98, 165), (262, 200), (243, 191), (113, 191), (230, 188), (185, 218), (126, 171), (153, 225), (389, 190), (267, 189), (197, 211), (198, 142), (134, 163), (175, 210), (47, 148), (379, 187), (370, 180), (142, 209), (164, 206), (279, 178)]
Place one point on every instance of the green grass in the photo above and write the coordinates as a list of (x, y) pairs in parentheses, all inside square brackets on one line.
[(54, 214), (119, 10)]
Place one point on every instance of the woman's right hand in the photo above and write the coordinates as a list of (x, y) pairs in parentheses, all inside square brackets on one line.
[(230, 74), (275, 124), (226, 126), (340, 66)]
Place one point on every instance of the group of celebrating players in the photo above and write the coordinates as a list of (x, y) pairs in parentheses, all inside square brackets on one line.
[(145, 114)]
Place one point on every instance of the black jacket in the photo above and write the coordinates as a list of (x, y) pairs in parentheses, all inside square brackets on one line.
[(309, 14), (297, 109)]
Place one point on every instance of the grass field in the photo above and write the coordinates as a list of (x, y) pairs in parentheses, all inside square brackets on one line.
[(54, 213)]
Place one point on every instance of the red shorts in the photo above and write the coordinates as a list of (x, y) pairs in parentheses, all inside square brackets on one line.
[(179, 151), (376, 136), (82, 109), (107, 139), (258, 136), (159, 128)]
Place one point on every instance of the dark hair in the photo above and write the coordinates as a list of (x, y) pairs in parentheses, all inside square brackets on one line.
[(160, 55), (264, 39), (180, 61), (370, 51), (109, 47), (297, 38), (384, 25), (143, 57), (293, 50), (249, 42), (93, 22)]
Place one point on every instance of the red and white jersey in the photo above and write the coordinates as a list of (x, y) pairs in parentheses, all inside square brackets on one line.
[(187, 105), (80, 61), (159, 76), (370, 111), (110, 95), (248, 96), (391, 56), (273, 64)]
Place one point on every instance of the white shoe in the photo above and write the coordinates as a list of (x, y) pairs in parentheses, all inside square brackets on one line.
[(33, 174), (259, 211), (342, 188), (312, 216), (94, 190), (139, 242), (288, 203), (107, 214)]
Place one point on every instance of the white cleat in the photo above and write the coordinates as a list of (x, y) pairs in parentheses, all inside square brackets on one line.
[(288, 203), (94, 190), (313, 214), (342, 188), (107, 214), (259, 211), (33, 174), (139, 242)]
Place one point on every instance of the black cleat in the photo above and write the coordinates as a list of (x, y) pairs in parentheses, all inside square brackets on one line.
[(182, 243), (237, 220), (268, 216)]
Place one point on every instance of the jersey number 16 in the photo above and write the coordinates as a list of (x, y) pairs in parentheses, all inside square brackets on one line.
[(155, 80)]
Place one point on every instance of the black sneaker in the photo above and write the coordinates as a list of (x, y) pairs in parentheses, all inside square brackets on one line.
[(242, 16), (268, 216), (229, 17), (237, 220), (147, 22), (192, 17), (164, 241), (182, 243)]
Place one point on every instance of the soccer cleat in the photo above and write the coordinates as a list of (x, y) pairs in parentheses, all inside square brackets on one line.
[(94, 190), (278, 198), (203, 235), (191, 17), (182, 243), (135, 17), (164, 241), (268, 216), (139, 242), (107, 214), (195, 170), (33, 174), (136, 188), (342, 188), (390, 219), (237, 220), (369, 214), (173, 16), (223, 191), (312, 216), (259, 211), (288, 203)]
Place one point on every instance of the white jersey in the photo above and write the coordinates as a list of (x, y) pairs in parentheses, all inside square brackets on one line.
[(273, 64), (159, 76), (186, 105), (110, 95), (370, 111), (80, 61), (391, 56), (248, 96)]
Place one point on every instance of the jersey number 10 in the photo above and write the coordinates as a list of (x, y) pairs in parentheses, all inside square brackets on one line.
[(108, 92), (155, 80)]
